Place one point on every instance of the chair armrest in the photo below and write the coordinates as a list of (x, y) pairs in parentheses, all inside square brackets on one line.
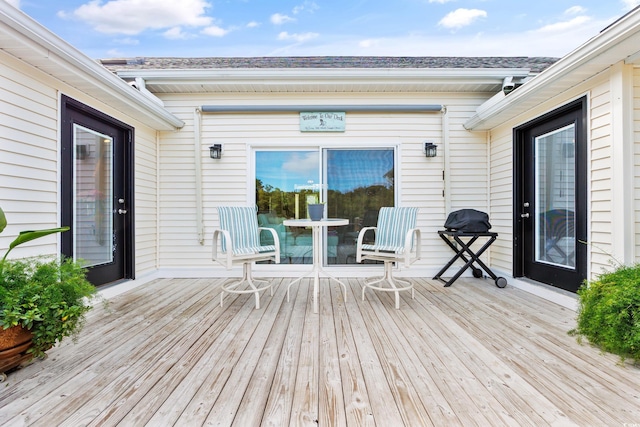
[(412, 245), (276, 241), (359, 242), (226, 258)]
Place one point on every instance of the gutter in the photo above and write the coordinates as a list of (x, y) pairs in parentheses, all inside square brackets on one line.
[(612, 44), (61, 54), (174, 76)]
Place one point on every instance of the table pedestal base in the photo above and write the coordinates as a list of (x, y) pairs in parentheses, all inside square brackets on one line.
[(317, 263)]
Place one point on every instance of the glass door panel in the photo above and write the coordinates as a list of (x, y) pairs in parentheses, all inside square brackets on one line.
[(93, 177), (555, 183), (354, 184), (286, 183), (359, 183)]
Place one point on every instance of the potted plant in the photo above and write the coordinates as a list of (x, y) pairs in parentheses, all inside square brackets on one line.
[(43, 299), (316, 211), (609, 312)]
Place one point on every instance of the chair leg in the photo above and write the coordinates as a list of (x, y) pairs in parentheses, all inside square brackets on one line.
[(247, 277), (393, 282)]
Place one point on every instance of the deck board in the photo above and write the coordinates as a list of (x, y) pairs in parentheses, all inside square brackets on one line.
[(167, 354)]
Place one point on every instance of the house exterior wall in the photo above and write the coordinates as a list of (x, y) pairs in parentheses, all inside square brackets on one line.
[(28, 156), (229, 181), (30, 161), (606, 195), (600, 176)]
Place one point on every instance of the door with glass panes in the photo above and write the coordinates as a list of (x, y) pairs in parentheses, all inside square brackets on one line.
[(550, 201), (353, 183), (97, 192)]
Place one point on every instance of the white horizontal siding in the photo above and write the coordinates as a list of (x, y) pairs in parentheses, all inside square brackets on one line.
[(146, 201), (28, 159), (600, 175), (29, 162), (227, 181), (501, 195)]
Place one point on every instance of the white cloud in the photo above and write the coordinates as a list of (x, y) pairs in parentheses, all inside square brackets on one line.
[(523, 43), (128, 41), (297, 37), (175, 33), (565, 25), (215, 31), (279, 19), (134, 16), (630, 4), (575, 10), (440, 1), (308, 6), (461, 18), (253, 24), (367, 43)]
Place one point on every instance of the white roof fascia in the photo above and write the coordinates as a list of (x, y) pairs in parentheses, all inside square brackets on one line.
[(27, 31), (620, 41), (364, 76)]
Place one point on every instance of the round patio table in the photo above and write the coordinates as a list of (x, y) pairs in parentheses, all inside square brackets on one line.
[(316, 227)]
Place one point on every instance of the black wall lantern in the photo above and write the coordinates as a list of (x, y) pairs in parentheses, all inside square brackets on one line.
[(430, 149), (215, 151), (82, 151)]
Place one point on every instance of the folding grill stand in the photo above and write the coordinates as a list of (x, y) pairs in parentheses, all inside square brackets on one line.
[(501, 282)]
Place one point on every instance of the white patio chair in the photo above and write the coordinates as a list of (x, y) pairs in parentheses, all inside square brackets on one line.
[(396, 240), (239, 241)]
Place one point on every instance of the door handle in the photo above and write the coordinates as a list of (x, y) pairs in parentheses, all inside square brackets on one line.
[(122, 211), (524, 215)]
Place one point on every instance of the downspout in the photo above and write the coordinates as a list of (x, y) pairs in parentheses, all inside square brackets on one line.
[(141, 85), (197, 167), (489, 169), (157, 200), (446, 173)]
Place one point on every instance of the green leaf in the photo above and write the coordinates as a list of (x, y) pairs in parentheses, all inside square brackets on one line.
[(3, 220), (26, 236)]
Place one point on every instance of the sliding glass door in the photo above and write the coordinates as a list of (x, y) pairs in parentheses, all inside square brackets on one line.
[(354, 184)]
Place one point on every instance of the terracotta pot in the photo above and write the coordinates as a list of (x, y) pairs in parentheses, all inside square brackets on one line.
[(13, 337), (14, 343)]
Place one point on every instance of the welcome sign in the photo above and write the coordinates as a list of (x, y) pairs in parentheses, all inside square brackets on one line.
[(322, 121)]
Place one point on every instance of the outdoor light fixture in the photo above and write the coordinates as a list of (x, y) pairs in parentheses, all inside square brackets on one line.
[(82, 151), (215, 151), (430, 149)]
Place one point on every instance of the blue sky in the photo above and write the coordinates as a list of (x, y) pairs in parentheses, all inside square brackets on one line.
[(197, 28)]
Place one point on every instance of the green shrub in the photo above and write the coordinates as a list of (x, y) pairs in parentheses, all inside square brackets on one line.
[(609, 312), (46, 295)]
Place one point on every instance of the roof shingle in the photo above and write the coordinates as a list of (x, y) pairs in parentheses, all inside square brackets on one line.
[(535, 64)]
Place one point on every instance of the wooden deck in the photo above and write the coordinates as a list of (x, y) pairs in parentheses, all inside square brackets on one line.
[(166, 354)]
